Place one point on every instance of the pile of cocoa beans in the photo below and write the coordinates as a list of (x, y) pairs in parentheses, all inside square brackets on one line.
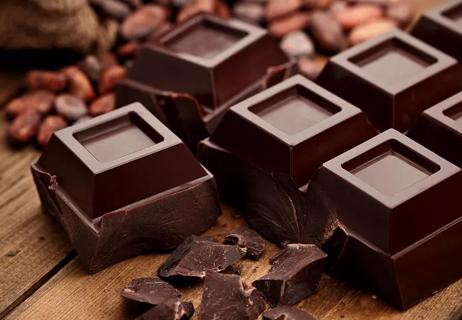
[(56, 99)]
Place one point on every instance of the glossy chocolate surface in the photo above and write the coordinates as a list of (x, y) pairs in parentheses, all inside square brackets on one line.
[(294, 275), (441, 27), (405, 278), (440, 129), (392, 78), (281, 128), (152, 291), (388, 189), (115, 181)]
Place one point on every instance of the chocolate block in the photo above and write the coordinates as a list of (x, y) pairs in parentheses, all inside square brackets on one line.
[(248, 239), (122, 184), (282, 128), (440, 129), (215, 62), (198, 255), (226, 298), (286, 313), (392, 78), (169, 310), (388, 189), (441, 27), (410, 275), (294, 275), (150, 290)]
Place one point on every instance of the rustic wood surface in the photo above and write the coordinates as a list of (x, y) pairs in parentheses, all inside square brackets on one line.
[(41, 278)]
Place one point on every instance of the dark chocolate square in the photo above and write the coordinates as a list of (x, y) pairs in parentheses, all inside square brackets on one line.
[(121, 155), (440, 129), (392, 78), (212, 59), (282, 128), (391, 191), (442, 28)]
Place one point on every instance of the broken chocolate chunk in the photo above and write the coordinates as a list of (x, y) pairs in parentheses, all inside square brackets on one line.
[(169, 310), (197, 255), (150, 290), (226, 298), (248, 239), (294, 275), (287, 313)]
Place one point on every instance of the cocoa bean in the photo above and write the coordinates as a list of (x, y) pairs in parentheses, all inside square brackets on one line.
[(317, 4), (279, 8), (79, 84), (295, 22), (46, 80), (92, 67), (328, 32), (70, 107), (49, 125), (370, 30), (142, 22), (297, 44), (311, 68), (24, 128), (40, 101), (251, 12), (110, 77), (401, 11), (217, 7), (102, 105), (356, 15), (128, 50), (111, 8)]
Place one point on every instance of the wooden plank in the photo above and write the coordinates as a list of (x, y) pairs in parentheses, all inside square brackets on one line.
[(32, 247), (72, 294)]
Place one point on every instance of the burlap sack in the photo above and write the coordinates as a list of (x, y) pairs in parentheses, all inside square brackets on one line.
[(48, 24)]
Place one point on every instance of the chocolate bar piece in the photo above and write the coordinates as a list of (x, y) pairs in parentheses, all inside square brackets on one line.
[(384, 187), (250, 240), (399, 223), (192, 74), (226, 298), (294, 275), (441, 27), (286, 313), (440, 129), (198, 255), (122, 184), (392, 78), (268, 147), (169, 310), (405, 278), (150, 290)]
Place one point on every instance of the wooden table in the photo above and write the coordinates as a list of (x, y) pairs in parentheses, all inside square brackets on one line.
[(41, 278)]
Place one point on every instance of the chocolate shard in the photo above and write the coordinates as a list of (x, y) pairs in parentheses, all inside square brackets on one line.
[(294, 275), (169, 310), (150, 290), (248, 239), (198, 255), (287, 313), (226, 298)]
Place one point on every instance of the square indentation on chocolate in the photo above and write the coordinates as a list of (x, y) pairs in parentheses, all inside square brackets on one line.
[(391, 168), (205, 39), (295, 110), (455, 14), (392, 78), (440, 129), (391, 191), (282, 128), (118, 137), (441, 27), (393, 61)]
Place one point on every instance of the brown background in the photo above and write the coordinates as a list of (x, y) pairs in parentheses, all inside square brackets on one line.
[(40, 276)]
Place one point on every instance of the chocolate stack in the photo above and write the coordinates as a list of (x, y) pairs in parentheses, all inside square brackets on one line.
[(305, 162)]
